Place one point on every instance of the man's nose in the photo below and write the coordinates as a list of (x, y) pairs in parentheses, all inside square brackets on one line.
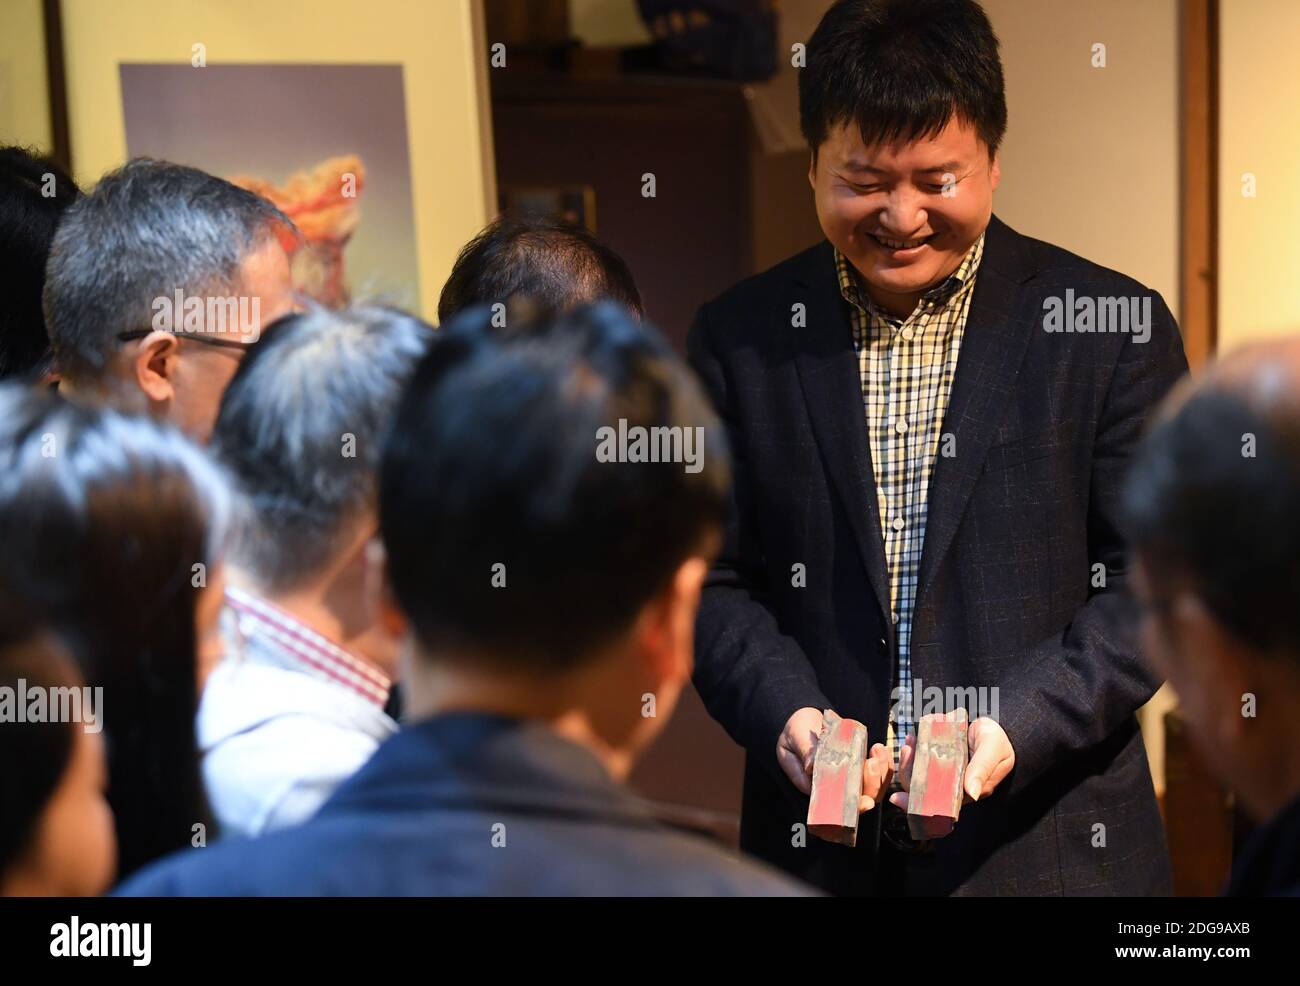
[(904, 213)]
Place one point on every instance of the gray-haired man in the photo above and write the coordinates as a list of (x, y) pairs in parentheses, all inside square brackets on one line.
[(298, 704), (157, 283)]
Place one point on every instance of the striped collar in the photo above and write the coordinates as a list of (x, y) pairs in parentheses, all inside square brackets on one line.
[(305, 650), (943, 293)]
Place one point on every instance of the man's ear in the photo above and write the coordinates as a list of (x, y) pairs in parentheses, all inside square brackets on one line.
[(666, 628), (154, 366), (379, 591), (812, 169), (995, 171)]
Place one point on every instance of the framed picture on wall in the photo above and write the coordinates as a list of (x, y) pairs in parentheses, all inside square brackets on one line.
[(364, 127)]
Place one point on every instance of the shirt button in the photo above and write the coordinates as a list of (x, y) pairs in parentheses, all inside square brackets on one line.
[(897, 523), (900, 426), (907, 334), (894, 616)]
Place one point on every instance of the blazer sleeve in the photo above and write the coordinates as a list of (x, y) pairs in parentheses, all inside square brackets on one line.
[(751, 676), (1080, 686)]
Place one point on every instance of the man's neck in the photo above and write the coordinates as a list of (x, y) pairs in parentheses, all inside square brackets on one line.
[(442, 687), (899, 306)]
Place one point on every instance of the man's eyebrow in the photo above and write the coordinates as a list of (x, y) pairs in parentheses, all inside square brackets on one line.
[(855, 165), (953, 166)]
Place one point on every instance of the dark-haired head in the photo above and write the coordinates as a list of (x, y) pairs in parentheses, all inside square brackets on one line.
[(903, 106), (159, 279), (530, 537), (111, 526), (900, 70), (1210, 513), (553, 266), (34, 192)]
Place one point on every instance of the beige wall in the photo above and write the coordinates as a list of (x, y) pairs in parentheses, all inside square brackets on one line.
[(437, 43), (24, 96), (1091, 157), (1259, 133), (1090, 160)]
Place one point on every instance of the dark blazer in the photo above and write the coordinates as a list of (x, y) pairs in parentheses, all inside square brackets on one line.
[(1043, 423), (422, 816)]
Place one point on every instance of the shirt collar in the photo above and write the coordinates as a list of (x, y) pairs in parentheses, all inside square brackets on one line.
[(947, 291), (306, 650)]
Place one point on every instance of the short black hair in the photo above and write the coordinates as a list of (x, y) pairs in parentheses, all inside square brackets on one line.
[(902, 69), (144, 231), (553, 266), (34, 192), (493, 461), (1200, 509), (300, 429)]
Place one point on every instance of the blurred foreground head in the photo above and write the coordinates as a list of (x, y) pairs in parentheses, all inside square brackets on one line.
[(1213, 508), (550, 498), (544, 267), (158, 281), (111, 527)]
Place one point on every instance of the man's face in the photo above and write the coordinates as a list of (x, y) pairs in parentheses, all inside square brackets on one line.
[(904, 214), (1176, 637), (203, 371)]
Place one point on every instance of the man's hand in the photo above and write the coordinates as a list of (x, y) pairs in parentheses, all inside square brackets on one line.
[(796, 749), (991, 759)]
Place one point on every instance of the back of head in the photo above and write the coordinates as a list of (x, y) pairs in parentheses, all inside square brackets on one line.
[(1211, 504), (110, 524), (147, 230), (513, 537), (552, 266), (34, 193), (300, 429)]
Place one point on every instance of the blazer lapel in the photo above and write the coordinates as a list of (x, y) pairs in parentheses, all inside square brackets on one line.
[(993, 347), (832, 387)]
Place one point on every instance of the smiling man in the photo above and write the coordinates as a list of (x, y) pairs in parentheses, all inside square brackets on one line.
[(926, 491)]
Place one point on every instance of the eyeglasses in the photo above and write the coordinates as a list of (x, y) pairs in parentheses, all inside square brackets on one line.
[(223, 343)]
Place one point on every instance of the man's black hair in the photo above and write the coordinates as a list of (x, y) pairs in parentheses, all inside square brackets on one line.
[(509, 538), (34, 192), (549, 265), (901, 69)]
